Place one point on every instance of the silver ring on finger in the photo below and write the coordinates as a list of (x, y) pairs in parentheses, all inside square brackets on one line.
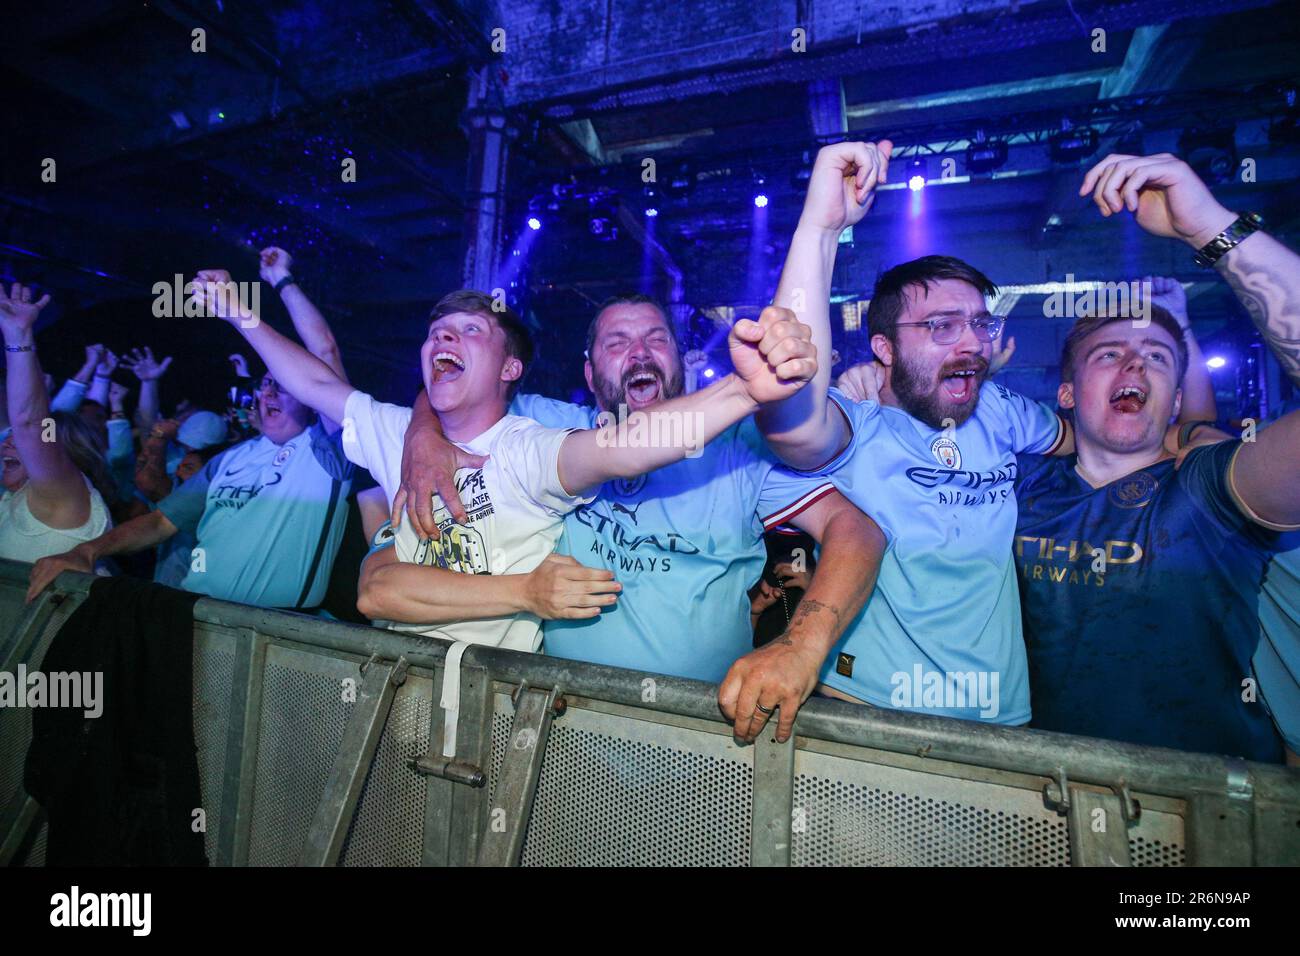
[(760, 709)]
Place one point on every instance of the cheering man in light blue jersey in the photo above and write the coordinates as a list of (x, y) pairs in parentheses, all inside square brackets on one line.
[(268, 513), (933, 462), (685, 541)]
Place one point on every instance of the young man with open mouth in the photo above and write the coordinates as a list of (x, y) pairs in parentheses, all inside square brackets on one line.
[(1140, 576)]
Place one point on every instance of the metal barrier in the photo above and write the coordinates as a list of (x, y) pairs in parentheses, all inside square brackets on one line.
[(321, 743)]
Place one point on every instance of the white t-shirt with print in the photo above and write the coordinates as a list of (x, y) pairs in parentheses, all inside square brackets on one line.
[(515, 505), (24, 537)]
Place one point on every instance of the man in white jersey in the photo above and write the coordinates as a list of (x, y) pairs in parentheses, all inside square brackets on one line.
[(491, 579)]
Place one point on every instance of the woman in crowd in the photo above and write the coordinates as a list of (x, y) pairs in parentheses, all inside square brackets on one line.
[(51, 462)]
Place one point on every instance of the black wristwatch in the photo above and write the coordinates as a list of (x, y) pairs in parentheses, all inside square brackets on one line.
[(287, 280), (1243, 226)]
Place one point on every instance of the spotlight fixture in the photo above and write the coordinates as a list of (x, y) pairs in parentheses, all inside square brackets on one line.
[(652, 198), (651, 212), (984, 155), (760, 200), (534, 223), (1072, 144), (1211, 152), (1216, 361)]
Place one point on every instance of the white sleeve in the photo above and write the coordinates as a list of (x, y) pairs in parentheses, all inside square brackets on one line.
[(373, 433), (528, 456)]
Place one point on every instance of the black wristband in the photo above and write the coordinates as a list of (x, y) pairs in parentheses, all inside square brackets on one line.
[(20, 348), (287, 280)]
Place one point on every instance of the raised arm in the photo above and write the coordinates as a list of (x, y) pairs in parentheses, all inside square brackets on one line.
[(57, 493), (148, 370), (308, 322), (300, 373), (773, 357), (806, 430), (98, 391), (1168, 199)]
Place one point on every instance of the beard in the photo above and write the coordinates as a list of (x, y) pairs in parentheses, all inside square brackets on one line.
[(610, 394), (920, 393)]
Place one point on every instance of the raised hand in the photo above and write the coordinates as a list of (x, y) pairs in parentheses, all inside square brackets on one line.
[(774, 357), (220, 294), (144, 365), (239, 362), (843, 183), (862, 383), (17, 310), (694, 360), (1170, 295), (94, 355), (107, 364), (1165, 196), (1001, 353), (275, 264), (117, 394)]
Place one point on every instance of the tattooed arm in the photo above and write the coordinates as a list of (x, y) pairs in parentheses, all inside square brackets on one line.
[(1265, 275), (784, 672)]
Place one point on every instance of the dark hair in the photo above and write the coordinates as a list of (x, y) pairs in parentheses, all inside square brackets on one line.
[(887, 302), (519, 341), (1088, 324), (626, 298), (87, 448)]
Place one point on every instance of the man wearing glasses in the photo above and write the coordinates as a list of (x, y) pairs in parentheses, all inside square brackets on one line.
[(933, 462)]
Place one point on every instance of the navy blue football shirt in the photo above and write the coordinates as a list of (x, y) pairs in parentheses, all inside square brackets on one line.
[(1140, 603)]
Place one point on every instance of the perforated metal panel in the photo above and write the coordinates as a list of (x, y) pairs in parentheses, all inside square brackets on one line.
[(621, 792), (849, 813), (16, 722), (303, 716), (1144, 852), (388, 828), (214, 675)]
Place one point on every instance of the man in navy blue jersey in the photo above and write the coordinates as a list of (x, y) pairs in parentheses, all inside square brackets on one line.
[(1140, 577)]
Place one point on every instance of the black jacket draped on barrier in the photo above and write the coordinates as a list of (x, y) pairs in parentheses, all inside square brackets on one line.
[(121, 788)]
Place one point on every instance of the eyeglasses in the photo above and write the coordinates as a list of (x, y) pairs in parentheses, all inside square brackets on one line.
[(948, 329)]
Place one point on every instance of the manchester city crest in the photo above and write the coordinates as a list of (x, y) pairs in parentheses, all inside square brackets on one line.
[(282, 455), (946, 452), (1133, 491), (627, 487)]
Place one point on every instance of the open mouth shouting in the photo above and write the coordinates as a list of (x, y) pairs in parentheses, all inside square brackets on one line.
[(9, 461), (1128, 398), (644, 385), (961, 383), (271, 409), (447, 367)]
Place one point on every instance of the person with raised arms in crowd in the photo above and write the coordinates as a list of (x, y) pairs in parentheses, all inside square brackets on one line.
[(267, 514)]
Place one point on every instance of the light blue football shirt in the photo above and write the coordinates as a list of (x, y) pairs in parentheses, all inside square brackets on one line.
[(269, 519), (686, 542), (946, 600)]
